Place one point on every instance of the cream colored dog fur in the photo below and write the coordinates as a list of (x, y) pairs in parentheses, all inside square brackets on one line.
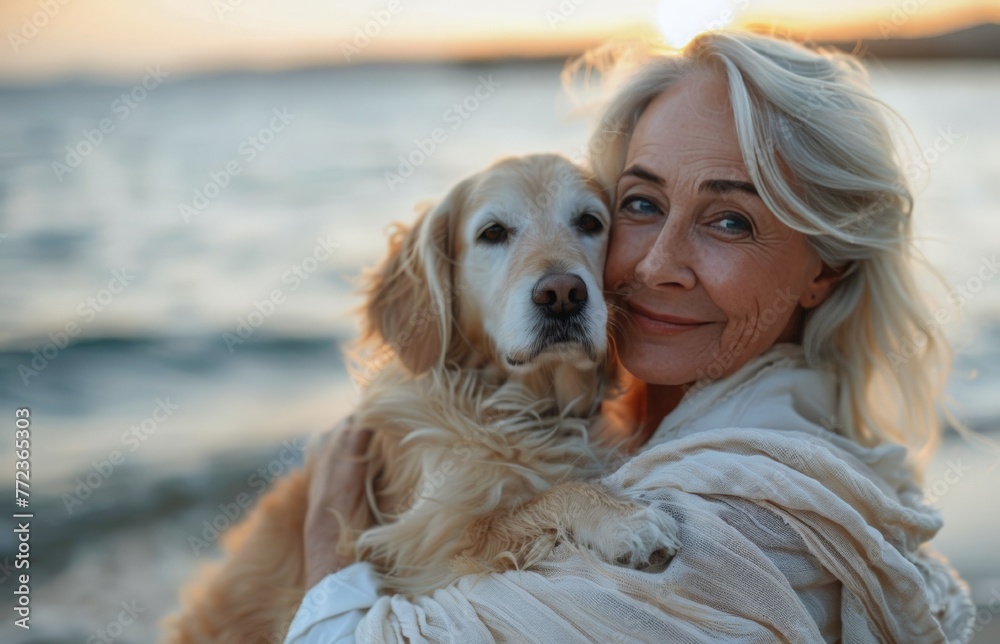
[(485, 360)]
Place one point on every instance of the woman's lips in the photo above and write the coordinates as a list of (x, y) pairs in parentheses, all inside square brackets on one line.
[(661, 324)]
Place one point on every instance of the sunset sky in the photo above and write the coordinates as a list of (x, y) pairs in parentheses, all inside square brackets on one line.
[(117, 38)]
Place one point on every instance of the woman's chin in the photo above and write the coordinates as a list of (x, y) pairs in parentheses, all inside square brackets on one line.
[(659, 365)]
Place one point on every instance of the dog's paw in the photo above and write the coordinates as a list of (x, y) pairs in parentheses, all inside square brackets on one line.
[(646, 538)]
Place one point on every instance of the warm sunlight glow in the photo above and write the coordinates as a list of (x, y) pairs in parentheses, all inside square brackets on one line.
[(679, 21), (110, 38)]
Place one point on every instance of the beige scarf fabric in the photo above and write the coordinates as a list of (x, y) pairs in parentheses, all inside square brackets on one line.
[(788, 532)]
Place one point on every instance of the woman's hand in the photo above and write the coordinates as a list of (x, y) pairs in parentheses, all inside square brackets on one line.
[(337, 508)]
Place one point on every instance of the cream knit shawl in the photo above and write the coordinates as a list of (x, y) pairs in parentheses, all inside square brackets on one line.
[(788, 531)]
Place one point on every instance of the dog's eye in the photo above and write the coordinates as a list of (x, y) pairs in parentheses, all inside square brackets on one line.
[(495, 234), (590, 224)]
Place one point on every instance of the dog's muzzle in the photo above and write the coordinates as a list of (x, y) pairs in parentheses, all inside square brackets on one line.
[(561, 325)]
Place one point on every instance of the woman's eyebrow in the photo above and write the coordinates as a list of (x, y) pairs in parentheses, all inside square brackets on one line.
[(640, 172), (722, 186), (718, 186)]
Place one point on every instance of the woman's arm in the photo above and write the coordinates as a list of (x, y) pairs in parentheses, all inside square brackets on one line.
[(717, 587), (340, 589), (714, 585), (337, 509)]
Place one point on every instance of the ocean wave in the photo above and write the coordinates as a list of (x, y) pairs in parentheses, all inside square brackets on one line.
[(138, 496)]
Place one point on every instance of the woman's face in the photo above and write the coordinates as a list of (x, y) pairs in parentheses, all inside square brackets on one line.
[(707, 275)]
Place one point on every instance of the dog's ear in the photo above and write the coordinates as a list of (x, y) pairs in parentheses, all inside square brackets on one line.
[(410, 296)]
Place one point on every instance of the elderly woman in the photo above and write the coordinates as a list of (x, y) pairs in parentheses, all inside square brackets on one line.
[(761, 247)]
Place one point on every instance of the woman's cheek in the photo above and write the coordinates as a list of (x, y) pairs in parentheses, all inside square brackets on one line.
[(621, 260), (630, 244)]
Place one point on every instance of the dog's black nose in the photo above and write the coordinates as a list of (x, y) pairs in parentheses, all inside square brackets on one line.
[(561, 296)]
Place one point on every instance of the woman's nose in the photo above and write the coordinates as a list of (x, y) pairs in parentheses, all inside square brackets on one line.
[(667, 261)]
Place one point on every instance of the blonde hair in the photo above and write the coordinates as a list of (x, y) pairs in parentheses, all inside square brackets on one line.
[(818, 146)]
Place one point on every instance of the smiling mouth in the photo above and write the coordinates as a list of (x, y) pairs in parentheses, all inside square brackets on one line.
[(663, 324)]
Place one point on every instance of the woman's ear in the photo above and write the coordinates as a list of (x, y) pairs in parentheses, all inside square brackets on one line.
[(820, 287), (409, 297)]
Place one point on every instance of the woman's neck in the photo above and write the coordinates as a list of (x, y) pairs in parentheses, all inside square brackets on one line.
[(640, 409), (660, 401)]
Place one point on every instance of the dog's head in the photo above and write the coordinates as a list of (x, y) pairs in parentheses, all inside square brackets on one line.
[(505, 269)]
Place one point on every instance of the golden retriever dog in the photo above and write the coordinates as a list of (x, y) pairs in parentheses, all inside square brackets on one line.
[(485, 359)]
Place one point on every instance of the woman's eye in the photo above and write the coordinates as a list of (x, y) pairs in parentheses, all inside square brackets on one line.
[(495, 234), (735, 224), (590, 224), (639, 206)]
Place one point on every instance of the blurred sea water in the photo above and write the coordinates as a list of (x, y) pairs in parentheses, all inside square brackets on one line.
[(174, 294)]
